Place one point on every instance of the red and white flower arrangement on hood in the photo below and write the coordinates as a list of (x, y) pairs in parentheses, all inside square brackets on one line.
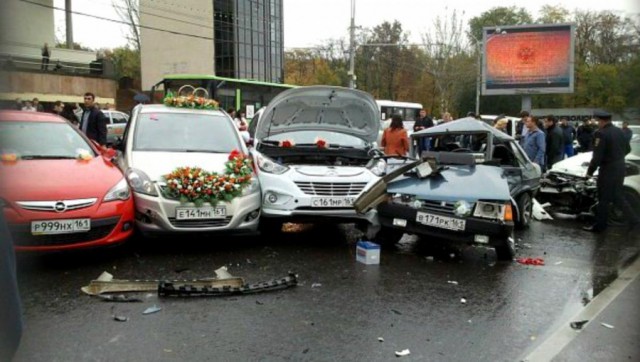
[(193, 184), (286, 143), (321, 142)]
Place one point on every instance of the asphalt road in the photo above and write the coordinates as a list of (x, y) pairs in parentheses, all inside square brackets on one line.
[(339, 310)]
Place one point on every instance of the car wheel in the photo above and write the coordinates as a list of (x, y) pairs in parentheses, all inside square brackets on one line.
[(616, 215), (388, 236), (506, 250), (525, 210), (269, 227)]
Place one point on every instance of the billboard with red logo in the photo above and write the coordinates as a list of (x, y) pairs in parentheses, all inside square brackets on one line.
[(529, 59)]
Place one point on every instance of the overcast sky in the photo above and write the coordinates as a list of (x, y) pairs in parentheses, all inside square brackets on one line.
[(308, 22)]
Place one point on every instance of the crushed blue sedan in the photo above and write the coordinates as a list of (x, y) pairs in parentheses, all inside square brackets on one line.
[(464, 182)]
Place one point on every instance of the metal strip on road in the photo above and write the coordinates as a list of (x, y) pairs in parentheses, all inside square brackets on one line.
[(557, 341)]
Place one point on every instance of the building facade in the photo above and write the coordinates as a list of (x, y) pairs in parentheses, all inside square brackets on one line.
[(230, 38), (249, 40)]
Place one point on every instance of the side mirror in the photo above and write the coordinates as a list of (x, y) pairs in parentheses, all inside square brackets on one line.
[(118, 144)]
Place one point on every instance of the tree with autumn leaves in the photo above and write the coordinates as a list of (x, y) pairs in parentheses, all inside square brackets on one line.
[(440, 72)]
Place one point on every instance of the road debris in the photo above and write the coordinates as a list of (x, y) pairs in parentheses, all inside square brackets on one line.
[(404, 352), (120, 298), (557, 263), (152, 309), (259, 302), (106, 283), (452, 282), (316, 285), (531, 261), (380, 339), (578, 324), (188, 289), (463, 300), (120, 318), (396, 311), (538, 211), (607, 325), (429, 258)]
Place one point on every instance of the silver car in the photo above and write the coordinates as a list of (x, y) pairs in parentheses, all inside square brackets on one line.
[(159, 139)]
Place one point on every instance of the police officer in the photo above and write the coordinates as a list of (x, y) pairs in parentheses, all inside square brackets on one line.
[(608, 155)]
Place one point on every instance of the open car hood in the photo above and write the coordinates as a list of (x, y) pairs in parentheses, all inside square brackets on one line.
[(321, 108)]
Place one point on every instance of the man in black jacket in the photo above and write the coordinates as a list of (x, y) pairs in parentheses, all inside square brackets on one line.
[(584, 135), (93, 122), (569, 135), (555, 141), (423, 122)]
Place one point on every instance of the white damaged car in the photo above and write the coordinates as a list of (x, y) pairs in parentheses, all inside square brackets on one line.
[(313, 151)]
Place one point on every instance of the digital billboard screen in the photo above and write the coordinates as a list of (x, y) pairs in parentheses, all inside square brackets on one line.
[(528, 59)]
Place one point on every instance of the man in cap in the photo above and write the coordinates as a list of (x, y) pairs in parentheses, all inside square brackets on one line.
[(610, 147)]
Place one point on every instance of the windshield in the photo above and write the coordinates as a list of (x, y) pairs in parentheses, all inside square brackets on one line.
[(185, 132), (32, 140), (334, 139)]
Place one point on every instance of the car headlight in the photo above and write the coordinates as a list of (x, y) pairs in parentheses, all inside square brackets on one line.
[(489, 210), (120, 191), (140, 182), (377, 166), (252, 187), (270, 166), (405, 199)]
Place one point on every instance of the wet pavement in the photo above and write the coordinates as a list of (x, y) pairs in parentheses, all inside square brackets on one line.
[(339, 310)]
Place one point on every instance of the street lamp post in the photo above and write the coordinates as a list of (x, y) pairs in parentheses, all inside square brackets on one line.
[(352, 46)]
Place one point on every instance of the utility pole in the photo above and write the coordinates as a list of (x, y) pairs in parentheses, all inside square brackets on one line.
[(68, 23), (352, 46), (478, 77)]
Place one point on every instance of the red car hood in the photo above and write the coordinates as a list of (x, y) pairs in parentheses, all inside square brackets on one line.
[(41, 180)]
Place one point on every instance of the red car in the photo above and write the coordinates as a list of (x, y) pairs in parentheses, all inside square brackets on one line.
[(59, 190)]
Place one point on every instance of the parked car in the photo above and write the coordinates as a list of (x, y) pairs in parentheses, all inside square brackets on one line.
[(313, 147), (117, 121), (157, 140), (567, 190), (473, 188), (59, 190)]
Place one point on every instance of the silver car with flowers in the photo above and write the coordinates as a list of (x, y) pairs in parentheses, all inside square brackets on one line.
[(313, 151), (175, 160)]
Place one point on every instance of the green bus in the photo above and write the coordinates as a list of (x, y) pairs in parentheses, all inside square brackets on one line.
[(240, 94)]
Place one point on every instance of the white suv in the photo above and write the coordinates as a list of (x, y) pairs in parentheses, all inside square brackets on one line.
[(158, 139), (313, 151)]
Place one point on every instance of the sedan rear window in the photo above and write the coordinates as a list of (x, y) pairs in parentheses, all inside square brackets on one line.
[(33, 140), (185, 132)]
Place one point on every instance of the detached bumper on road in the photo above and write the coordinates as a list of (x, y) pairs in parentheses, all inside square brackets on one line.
[(496, 231)]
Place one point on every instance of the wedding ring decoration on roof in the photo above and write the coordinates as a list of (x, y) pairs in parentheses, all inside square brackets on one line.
[(189, 96)]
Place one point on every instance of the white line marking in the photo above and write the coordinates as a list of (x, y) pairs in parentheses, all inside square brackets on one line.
[(556, 342)]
